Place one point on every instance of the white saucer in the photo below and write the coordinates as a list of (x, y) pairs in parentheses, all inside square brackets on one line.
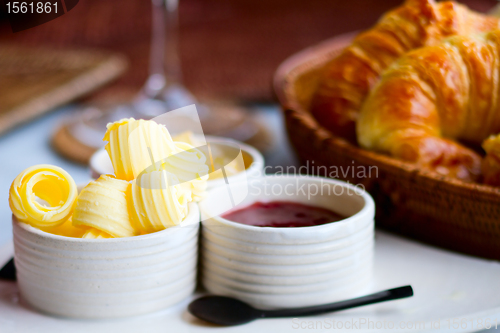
[(450, 290)]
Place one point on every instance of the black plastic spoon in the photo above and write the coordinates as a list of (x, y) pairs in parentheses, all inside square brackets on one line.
[(8, 271), (228, 311)]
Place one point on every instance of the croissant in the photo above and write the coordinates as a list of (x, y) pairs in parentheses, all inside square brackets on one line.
[(347, 79), (432, 97), (491, 162)]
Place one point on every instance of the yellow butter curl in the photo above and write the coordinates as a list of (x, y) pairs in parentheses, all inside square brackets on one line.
[(66, 229), (93, 233), (219, 158), (158, 201), (43, 196), (132, 144), (187, 137), (103, 205), (189, 165)]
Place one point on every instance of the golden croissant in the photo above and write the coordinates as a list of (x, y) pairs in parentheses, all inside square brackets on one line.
[(431, 99), (491, 162), (347, 79)]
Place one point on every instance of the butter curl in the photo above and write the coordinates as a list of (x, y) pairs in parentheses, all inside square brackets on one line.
[(189, 165), (133, 145), (103, 205), (159, 201), (43, 196)]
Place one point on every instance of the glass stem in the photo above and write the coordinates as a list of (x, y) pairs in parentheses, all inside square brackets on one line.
[(164, 67), (171, 60)]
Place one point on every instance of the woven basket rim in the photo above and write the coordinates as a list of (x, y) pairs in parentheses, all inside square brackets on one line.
[(312, 58)]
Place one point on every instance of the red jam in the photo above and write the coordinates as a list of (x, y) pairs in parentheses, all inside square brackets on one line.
[(282, 214)]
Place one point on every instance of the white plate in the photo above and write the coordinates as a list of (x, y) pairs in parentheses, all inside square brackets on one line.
[(450, 289)]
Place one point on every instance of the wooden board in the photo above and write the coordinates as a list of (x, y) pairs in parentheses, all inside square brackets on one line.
[(36, 80), (262, 138)]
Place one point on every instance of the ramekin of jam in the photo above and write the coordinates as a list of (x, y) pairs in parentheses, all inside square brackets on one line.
[(293, 241)]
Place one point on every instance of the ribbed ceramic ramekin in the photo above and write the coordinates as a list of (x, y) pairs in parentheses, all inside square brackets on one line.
[(290, 267), (107, 278), (100, 163)]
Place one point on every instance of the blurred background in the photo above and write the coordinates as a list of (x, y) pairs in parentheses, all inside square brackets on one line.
[(228, 48)]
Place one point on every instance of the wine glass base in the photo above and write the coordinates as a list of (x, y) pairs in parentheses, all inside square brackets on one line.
[(217, 119)]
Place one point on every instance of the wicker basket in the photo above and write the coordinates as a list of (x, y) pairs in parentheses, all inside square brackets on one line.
[(420, 204)]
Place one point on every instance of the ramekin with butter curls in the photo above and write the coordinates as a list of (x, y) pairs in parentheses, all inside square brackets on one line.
[(140, 224)]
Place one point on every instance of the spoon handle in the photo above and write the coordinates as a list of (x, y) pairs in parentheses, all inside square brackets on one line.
[(382, 296), (8, 271)]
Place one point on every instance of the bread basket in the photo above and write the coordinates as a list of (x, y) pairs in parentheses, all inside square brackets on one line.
[(420, 204)]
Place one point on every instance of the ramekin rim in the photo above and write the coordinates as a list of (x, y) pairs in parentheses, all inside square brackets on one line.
[(27, 227), (258, 160), (367, 209)]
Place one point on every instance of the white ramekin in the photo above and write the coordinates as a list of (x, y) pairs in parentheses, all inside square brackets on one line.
[(107, 278), (100, 164), (290, 267)]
